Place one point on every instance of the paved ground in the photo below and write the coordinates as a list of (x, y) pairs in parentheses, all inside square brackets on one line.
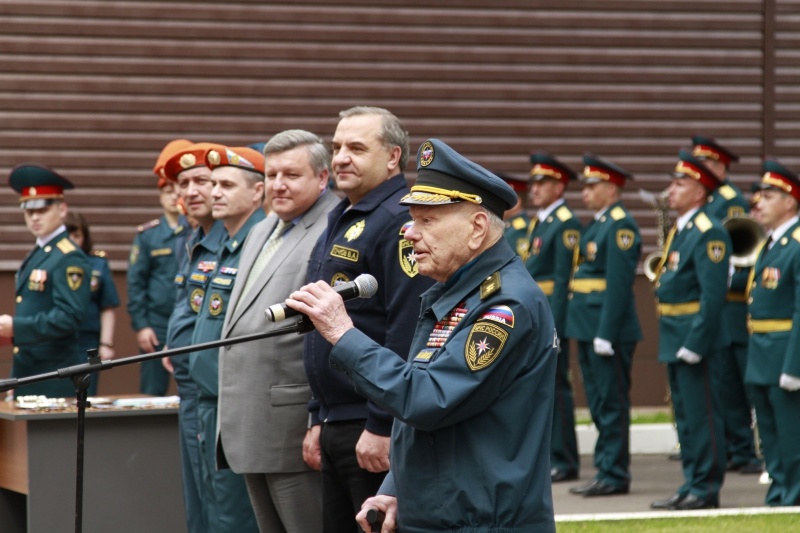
[(654, 477)]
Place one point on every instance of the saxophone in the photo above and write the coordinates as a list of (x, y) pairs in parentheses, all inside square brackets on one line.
[(660, 203)]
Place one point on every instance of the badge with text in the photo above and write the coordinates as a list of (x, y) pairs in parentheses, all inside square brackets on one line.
[(74, 277), (407, 257), (484, 345), (500, 313)]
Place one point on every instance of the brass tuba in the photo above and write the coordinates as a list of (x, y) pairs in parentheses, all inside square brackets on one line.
[(661, 205), (746, 235)]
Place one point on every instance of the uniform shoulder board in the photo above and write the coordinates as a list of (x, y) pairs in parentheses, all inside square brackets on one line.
[(519, 223), (490, 285), (727, 192), (618, 213), (796, 234), (98, 253), (66, 246), (147, 225), (702, 222), (563, 213)]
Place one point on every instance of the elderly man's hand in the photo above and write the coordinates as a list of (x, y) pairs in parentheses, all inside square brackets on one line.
[(372, 452), (384, 504), (324, 307)]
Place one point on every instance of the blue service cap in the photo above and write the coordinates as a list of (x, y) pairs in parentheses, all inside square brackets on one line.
[(38, 185), (446, 177)]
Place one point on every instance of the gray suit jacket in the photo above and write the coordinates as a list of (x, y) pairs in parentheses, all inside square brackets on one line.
[(263, 390)]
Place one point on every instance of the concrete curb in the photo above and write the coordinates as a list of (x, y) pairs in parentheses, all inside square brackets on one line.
[(645, 438)]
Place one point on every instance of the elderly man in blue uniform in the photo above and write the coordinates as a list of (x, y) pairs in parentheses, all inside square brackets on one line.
[(726, 202), (349, 435), (473, 400), (601, 316), (237, 176), (52, 289), (184, 163), (691, 285), (773, 364), (553, 235), (152, 266)]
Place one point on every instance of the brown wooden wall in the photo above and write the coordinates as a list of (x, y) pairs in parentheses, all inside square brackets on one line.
[(95, 88)]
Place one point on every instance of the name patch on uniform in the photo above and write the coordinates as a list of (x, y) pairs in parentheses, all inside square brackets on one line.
[(625, 239), (484, 345), (348, 254), (37, 279), (500, 313), (160, 252), (716, 251), (179, 279), (200, 278), (74, 277), (407, 257), (354, 231), (424, 356), (226, 282)]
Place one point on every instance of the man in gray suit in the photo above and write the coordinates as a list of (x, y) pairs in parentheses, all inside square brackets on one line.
[(263, 389)]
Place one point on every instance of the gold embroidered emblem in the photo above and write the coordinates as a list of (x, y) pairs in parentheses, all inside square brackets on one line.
[(625, 239), (74, 277), (716, 251), (735, 211), (215, 304), (571, 237), (354, 231), (348, 254), (339, 278), (426, 154), (196, 299), (484, 345), (407, 257), (187, 160), (522, 247)]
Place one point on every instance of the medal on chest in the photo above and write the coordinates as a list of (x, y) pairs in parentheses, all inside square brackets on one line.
[(443, 328)]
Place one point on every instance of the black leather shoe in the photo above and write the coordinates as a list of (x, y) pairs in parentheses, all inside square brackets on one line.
[(666, 503), (692, 503), (582, 489), (557, 475), (602, 488)]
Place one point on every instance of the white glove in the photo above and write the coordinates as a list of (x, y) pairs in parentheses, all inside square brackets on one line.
[(790, 383), (688, 356), (602, 347)]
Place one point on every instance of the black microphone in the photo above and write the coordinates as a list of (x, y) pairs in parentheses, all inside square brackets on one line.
[(364, 286)]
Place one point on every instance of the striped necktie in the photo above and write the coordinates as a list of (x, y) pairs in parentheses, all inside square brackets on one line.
[(270, 247)]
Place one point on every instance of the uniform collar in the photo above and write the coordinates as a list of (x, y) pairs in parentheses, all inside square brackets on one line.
[(545, 212), (778, 232), (236, 240), (42, 241), (685, 218)]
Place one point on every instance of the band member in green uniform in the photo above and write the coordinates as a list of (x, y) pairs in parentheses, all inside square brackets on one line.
[(727, 201), (601, 316), (52, 289), (773, 364), (691, 286), (552, 237), (152, 266)]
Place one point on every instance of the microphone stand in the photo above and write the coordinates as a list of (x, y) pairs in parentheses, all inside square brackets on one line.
[(81, 377)]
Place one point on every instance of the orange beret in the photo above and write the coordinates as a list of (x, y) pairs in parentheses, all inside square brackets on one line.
[(237, 156), (191, 156), (168, 151)]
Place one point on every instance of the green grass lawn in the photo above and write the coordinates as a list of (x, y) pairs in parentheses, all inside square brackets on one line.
[(638, 416), (766, 523)]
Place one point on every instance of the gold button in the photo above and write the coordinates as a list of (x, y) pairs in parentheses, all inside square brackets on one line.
[(47, 249), (16, 349), (19, 299)]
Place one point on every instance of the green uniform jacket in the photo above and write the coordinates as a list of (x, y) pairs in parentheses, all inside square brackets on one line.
[(775, 295), (152, 266), (552, 244), (695, 271), (609, 252), (52, 294), (728, 201), (204, 365), (516, 234)]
